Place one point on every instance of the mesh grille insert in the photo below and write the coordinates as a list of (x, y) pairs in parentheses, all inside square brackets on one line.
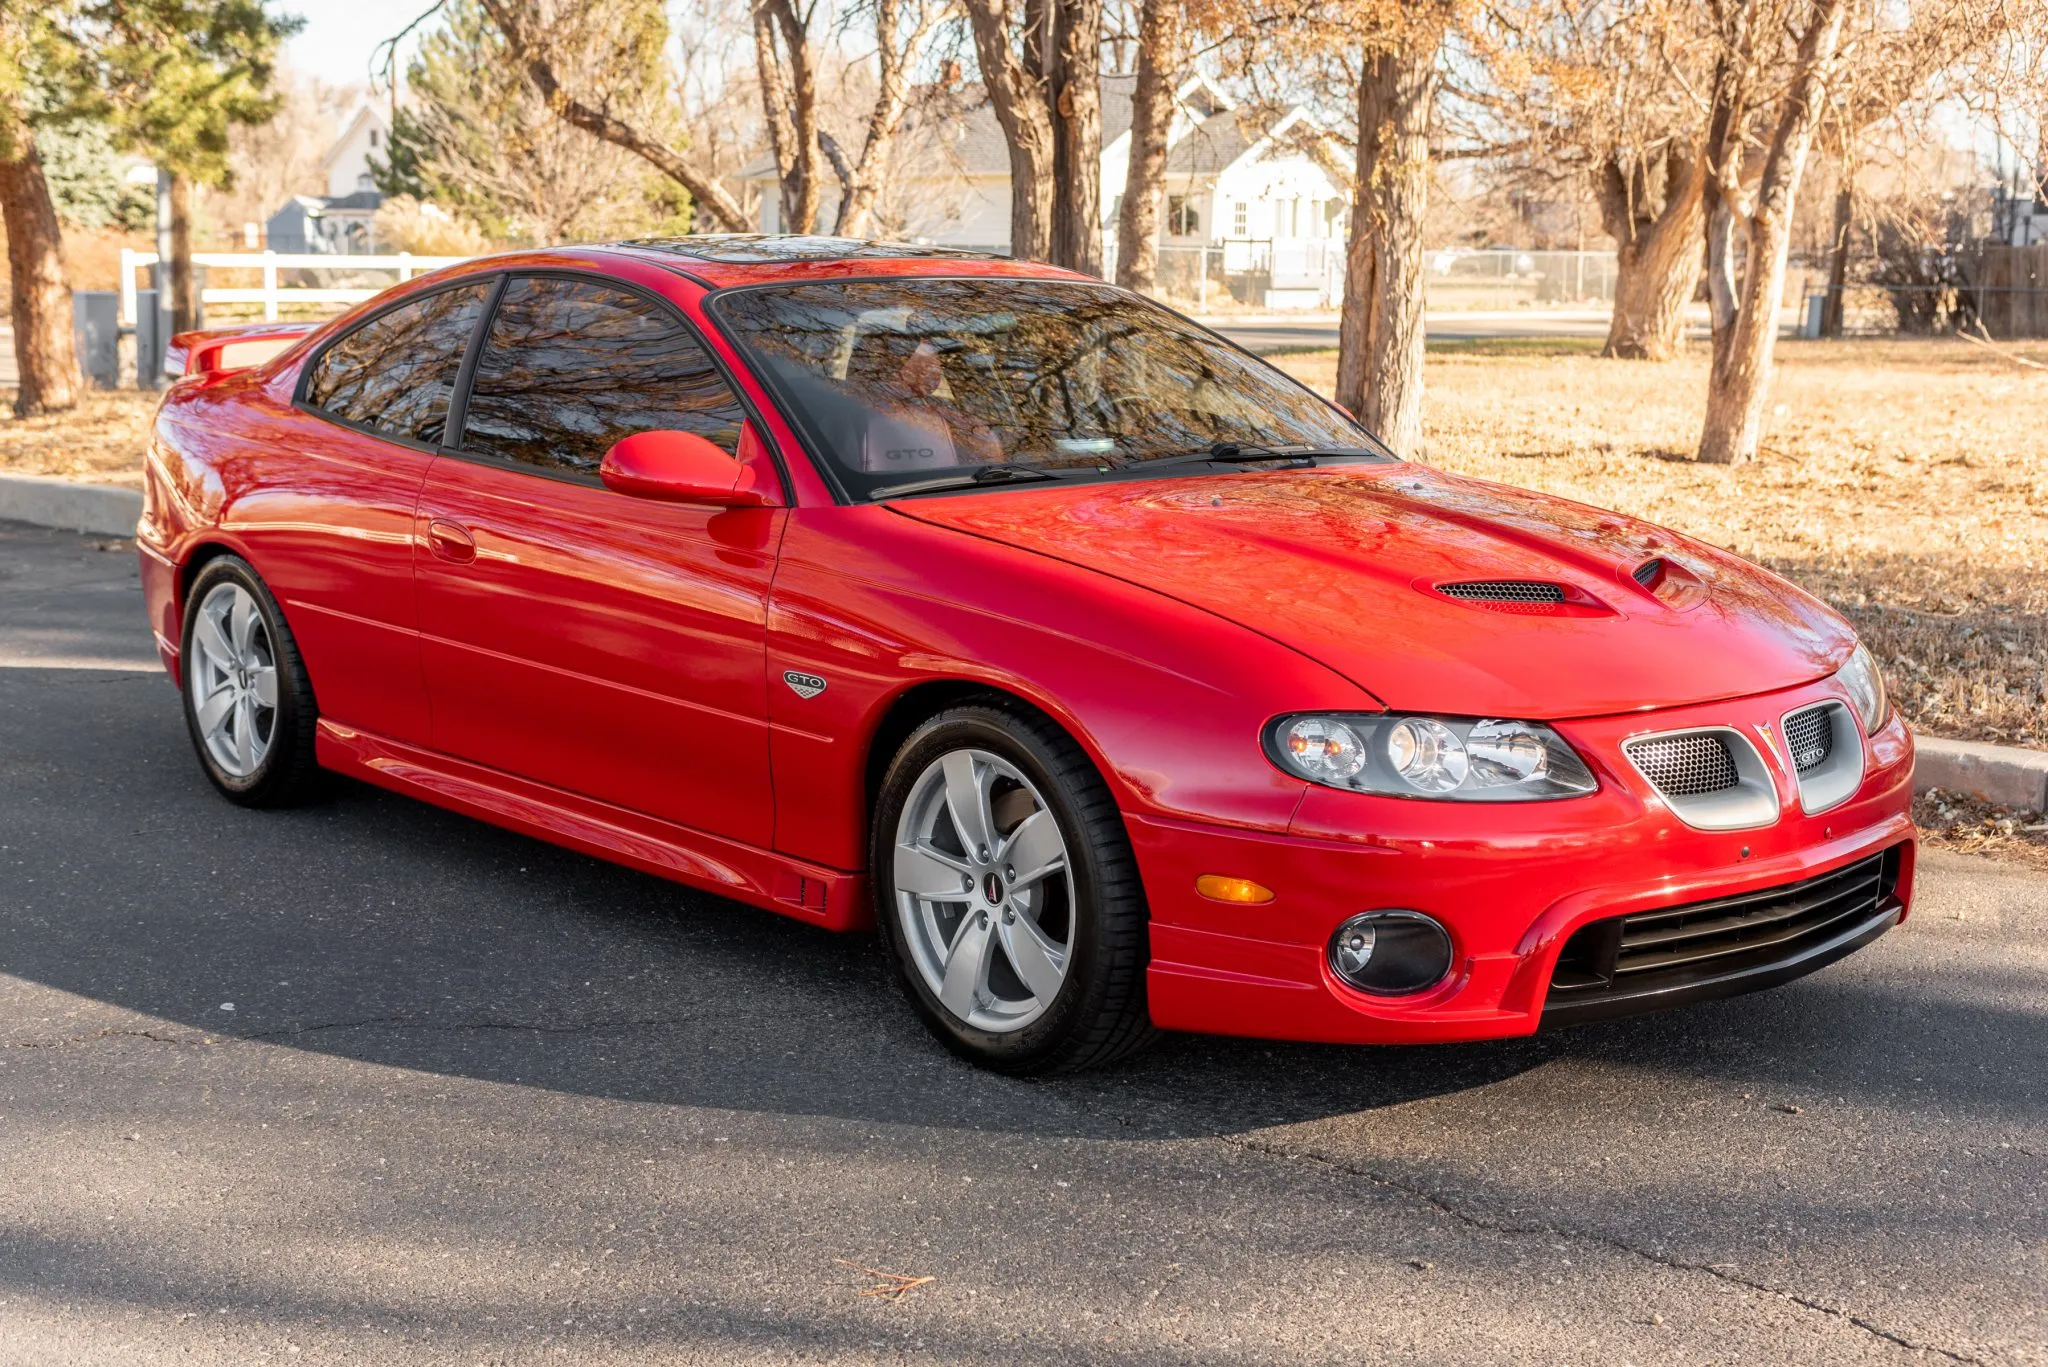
[(1504, 591), (1647, 572), (1810, 736), (1687, 765)]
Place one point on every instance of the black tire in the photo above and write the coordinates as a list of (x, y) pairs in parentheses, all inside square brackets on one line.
[(287, 773), (1099, 1013)]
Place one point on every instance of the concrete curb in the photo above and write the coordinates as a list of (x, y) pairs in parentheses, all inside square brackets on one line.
[(2004, 774), (101, 509)]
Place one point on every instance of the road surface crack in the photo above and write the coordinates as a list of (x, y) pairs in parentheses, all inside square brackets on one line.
[(94, 1036), (429, 1023), (1722, 1271)]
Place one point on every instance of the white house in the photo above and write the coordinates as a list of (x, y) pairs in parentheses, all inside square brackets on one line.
[(1249, 204), (347, 163), (339, 221)]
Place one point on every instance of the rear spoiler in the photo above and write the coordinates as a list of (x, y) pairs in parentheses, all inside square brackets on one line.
[(235, 348)]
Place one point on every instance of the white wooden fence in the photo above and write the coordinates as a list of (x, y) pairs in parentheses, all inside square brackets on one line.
[(271, 294)]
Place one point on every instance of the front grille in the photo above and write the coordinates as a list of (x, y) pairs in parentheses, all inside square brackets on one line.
[(1686, 765), (1810, 737), (1504, 591), (1675, 947)]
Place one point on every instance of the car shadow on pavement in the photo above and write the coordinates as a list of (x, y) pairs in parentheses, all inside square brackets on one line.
[(380, 929)]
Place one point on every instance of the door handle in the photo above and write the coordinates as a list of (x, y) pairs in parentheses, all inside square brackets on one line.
[(451, 541)]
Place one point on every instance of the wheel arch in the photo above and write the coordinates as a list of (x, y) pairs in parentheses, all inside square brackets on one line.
[(920, 702)]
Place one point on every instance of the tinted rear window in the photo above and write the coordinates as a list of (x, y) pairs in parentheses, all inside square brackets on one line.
[(396, 373)]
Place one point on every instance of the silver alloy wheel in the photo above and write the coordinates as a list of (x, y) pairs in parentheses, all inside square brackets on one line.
[(231, 680), (984, 891)]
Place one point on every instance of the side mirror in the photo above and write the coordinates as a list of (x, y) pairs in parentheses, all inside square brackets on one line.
[(679, 467)]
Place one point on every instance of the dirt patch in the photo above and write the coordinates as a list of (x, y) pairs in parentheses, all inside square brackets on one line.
[(1904, 482), (103, 440), (1951, 821)]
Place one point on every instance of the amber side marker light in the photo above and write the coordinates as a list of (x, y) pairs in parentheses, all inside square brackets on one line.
[(1217, 888)]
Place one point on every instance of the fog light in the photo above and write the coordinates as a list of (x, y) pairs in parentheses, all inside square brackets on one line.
[(1390, 953)]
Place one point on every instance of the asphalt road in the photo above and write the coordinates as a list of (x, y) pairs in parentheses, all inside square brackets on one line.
[(478, 1100)]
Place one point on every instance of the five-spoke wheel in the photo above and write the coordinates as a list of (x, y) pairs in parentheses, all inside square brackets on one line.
[(1006, 888), (231, 675), (248, 702), (982, 890)]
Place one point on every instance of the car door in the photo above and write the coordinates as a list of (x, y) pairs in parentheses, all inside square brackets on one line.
[(330, 522), (604, 644)]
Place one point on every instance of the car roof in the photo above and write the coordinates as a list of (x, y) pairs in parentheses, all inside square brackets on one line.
[(728, 259)]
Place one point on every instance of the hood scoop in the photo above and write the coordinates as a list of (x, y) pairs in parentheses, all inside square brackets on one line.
[(1670, 583), (1523, 597)]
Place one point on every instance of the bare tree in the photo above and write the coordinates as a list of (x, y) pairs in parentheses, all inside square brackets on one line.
[(903, 30), (789, 99), (1380, 332), (529, 48), (1040, 65), (1756, 224), (1160, 56)]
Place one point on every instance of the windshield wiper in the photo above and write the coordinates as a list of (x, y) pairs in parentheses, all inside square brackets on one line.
[(1004, 473), (1252, 453)]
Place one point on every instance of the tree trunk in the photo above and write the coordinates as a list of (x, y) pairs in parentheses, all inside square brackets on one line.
[(1017, 94), (184, 298), (1137, 235), (789, 99), (862, 182), (44, 351), (1832, 309), (1380, 334), (1739, 383), (1076, 87), (1657, 253)]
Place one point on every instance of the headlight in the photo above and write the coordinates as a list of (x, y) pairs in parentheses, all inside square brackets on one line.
[(1866, 689), (1400, 756)]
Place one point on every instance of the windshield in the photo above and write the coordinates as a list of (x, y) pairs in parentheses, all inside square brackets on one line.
[(903, 382)]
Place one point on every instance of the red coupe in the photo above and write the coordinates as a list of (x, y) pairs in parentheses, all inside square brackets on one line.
[(1120, 681)]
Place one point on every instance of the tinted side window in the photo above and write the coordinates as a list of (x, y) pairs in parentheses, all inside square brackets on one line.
[(572, 366), (396, 372)]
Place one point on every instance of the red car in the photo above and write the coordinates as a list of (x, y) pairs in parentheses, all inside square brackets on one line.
[(1119, 680)]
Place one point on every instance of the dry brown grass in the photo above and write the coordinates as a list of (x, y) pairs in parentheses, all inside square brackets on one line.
[(1953, 821), (102, 440), (1904, 482)]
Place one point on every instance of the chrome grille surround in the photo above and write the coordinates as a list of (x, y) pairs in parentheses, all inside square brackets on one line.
[(1711, 777), (1826, 752), (1503, 591)]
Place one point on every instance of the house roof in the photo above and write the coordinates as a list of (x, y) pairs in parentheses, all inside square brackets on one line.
[(364, 110)]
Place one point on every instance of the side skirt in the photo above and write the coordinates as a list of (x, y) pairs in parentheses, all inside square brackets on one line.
[(831, 898)]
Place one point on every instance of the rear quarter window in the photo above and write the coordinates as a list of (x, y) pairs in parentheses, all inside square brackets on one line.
[(395, 374)]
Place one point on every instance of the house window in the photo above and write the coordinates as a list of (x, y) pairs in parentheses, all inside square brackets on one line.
[(1240, 218), (1181, 218), (373, 137)]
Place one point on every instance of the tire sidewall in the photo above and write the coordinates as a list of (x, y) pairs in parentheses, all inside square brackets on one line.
[(232, 569), (985, 728)]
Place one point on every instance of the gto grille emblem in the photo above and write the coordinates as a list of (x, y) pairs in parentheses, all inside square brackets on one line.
[(805, 686)]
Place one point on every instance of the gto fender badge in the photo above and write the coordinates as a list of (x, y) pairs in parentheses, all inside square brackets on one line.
[(805, 686)]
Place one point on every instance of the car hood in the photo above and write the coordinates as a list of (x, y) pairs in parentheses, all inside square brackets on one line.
[(1345, 563)]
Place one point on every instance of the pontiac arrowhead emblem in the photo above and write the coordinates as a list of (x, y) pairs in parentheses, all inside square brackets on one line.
[(805, 686), (1763, 728)]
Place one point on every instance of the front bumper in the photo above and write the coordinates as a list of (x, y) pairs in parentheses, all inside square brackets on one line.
[(1511, 881)]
